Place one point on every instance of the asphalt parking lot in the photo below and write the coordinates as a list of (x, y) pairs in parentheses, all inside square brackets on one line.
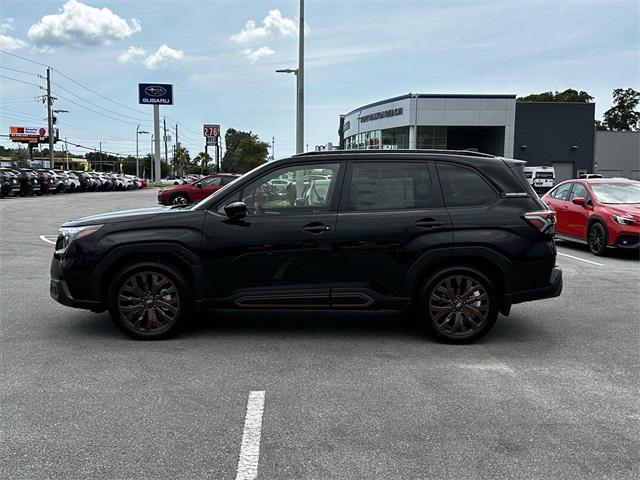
[(552, 392)]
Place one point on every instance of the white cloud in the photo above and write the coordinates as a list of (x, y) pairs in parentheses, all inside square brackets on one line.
[(131, 53), (162, 56), (78, 24), (273, 23), (7, 24), (254, 55), (9, 43)]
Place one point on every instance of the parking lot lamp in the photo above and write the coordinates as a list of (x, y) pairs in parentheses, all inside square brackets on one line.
[(138, 132)]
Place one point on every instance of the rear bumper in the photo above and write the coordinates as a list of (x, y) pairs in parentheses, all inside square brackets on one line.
[(552, 289)]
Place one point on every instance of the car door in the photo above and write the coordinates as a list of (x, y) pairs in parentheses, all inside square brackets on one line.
[(280, 253), (559, 202), (205, 187), (391, 216), (577, 216)]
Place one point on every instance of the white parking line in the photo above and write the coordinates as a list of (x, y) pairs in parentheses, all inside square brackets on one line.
[(250, 449), (581, 259), (49, 239)]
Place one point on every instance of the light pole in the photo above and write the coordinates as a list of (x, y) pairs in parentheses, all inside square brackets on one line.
[(138, 132), (299, 72)]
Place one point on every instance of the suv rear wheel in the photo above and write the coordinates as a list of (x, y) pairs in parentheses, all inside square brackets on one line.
[(458, 305), (149, 301)]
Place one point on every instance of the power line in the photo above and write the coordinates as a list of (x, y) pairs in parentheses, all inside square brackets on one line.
[(96, 93), (19, 71), (96, 105), (22, 81), (23, 58), (95, 111)]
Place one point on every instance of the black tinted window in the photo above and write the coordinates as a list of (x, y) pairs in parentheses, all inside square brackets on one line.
[(463, 187), (390, 186)]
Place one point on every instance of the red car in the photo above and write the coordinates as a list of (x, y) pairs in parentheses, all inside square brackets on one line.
[(601, 212), (186, 194)]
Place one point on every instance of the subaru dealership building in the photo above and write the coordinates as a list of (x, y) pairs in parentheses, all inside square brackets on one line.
[(554, 134)]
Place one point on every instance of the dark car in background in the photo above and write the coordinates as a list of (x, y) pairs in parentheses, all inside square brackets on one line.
[(195, 192), (8, 183), (457, 236)]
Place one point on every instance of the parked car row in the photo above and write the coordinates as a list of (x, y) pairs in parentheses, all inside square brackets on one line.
[(27, 181)]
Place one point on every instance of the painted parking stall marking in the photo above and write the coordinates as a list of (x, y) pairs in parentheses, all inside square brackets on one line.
[(250, 448), (581, 259), (50, 239)]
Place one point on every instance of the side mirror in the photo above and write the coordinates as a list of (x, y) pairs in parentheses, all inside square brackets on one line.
[(579, 201), (236, 210)]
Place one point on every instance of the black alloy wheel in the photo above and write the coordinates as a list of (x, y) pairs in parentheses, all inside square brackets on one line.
[(459, 305), (149, 301), (597, 239), (180, 199)]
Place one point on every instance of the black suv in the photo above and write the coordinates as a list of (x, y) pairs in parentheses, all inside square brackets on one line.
[(460, 236)]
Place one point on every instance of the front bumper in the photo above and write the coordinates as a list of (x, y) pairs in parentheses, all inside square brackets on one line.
[(553, 289), (59, 291)]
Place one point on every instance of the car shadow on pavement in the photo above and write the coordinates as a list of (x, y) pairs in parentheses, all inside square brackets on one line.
[(610, 253)]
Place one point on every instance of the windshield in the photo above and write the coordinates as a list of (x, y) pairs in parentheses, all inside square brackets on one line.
[(617, 193)]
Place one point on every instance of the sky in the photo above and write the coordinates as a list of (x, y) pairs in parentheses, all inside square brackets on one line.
[(221, 56)]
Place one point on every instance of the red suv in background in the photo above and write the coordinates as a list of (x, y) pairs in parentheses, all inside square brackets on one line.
[(186, 194), (601, 212)]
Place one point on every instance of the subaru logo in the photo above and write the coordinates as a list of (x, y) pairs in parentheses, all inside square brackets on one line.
[(155, 91)]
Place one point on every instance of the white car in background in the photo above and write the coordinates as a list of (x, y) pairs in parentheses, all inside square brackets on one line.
[(542, 179)]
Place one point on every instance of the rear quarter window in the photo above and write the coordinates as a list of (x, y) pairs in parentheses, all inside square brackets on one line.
[(464, 187)]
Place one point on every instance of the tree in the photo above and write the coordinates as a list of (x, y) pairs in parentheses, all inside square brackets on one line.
[(202, 159), (181, 160), (568, 95), (245, 151), (623, 116)]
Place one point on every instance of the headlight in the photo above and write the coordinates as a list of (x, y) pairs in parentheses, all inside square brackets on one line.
[(623, 220), (66, 235)]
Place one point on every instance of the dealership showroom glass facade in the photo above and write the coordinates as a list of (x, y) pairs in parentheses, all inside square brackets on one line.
[(554, 134)]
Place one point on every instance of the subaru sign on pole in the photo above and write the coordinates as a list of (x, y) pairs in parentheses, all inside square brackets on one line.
[(156, 94)]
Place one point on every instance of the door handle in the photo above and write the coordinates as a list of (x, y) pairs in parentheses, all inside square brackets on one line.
[(316, 228), (428, 223)]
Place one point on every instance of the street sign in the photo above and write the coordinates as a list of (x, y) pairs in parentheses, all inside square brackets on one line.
[(211, 130), (155, 93)]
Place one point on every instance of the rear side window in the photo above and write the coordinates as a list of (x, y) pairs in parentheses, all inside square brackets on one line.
[(562, 192), (390, 186), (464, 187)]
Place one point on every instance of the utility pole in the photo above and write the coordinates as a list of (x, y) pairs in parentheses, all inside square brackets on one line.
[(300, 84), (176, 150), (50, 118), (166, 154), (100, 162), (66, 151), (273, 148)]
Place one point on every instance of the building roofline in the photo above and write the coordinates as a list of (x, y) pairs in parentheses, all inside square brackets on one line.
[(508, 96)]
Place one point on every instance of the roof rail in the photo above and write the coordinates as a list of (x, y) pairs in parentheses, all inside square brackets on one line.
[(467, 153)]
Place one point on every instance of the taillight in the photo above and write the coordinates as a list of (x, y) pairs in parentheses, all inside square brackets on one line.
[(542, 220)]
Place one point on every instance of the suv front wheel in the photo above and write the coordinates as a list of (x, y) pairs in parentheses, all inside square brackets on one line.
[(149, 301), (458, 305)]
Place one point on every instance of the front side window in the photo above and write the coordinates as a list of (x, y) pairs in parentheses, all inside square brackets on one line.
[(579, 190), (390, 186), (562, 192), (464, 187), (208, 182), (292, 190)]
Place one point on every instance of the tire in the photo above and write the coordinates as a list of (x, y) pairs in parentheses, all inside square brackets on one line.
[(137, 309), (468, 315), (180, 199), (597, 239)]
